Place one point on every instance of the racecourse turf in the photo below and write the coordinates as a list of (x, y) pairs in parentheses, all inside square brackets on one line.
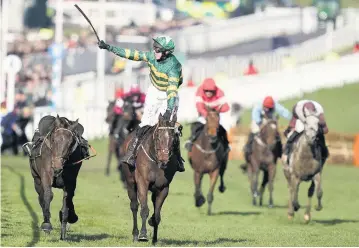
[(105, 217)]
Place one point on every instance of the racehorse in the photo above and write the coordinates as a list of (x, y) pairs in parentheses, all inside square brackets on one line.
[(208, 156), (156, 165), (266, 151), (56, 163), (305, 164)]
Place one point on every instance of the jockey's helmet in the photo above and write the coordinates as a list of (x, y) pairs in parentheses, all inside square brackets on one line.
[(163, 44), (268, 103), (209, 85)]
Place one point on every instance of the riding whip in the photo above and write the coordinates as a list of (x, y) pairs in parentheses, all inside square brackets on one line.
[(88, 20)]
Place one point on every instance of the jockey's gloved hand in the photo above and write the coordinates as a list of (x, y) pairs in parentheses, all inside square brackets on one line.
[(167, 114), (103, 45)]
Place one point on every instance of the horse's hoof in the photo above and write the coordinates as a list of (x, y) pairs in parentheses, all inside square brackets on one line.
[(307, 218), (290, 216), (154, 241), (296, 206), (46, 227), (270, 206), (68, 225), (200, 201), (143, 238), (135, 238), (73, 218), (222, 188), (254, 202), (318, 208), (150, 222)]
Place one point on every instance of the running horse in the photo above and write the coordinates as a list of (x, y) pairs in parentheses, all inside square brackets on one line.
[(55, 161), (266, 149), (208, 156), (156, 165), (306, 163)]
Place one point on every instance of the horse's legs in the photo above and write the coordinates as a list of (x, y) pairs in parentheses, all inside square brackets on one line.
[(294, 194), (263, 186), (253, 173), (159, 200), (309, 206), (142, 195), (213, 176), (272, 171), (222, 169), (132, 194), (318, 185), (40, 191), (64, 214), (48, 196), (198, 196)]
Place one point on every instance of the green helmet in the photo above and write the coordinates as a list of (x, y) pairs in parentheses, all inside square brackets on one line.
[(166, 43)]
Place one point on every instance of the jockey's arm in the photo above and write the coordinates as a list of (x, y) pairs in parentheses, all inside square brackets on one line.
[(131, 54), (283, 111), (256, 114), (174, 81), (224, 108)]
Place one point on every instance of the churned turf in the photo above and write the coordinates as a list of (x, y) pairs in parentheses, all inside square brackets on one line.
[(105, 216)]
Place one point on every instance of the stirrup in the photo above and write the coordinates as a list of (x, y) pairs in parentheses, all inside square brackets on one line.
[(26, 149)]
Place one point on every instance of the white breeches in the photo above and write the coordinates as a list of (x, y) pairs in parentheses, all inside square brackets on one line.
[(254, 127), (222, 118), (156, 103)]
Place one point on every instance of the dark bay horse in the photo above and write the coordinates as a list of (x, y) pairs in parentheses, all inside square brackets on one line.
[(208, 156), (56, 163), (110, 117), (156, 165), (266, 151), (305, 164)]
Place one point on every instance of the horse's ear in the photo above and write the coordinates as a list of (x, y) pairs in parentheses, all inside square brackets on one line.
[(73, 125), (57, 120), (160, 117), (174, 118)]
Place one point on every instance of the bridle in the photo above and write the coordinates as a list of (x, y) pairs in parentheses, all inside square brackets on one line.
[(166, 151)]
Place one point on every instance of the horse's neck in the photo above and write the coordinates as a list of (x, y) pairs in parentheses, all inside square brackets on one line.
[(303, 147), (205, 140)]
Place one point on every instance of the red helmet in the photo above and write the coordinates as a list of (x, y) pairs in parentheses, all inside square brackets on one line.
[(135, 89), (209, 84), (119, 93), (268, 102)]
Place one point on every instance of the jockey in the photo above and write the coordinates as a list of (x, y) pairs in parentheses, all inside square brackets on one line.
[(166, 77), (266, 109), (136, 97), (296, 125), (208, 94)]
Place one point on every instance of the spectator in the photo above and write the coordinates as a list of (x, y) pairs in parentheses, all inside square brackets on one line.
[(10, 131), (251, 70), (356, 47)]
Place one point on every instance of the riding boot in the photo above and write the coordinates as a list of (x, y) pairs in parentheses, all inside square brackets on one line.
[(225, 139), (196, 130), (130, 156), (289, 144), (180, 160), (323, 147)]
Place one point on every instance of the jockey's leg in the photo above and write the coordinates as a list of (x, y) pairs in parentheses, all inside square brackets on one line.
[(323, 147), (223, 135), (177, 151), (196, 130)]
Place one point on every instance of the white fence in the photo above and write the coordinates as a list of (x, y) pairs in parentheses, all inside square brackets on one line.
[(225, 33), (246, 91)]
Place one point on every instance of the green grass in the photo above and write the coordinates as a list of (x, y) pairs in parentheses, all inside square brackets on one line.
[(340, 107), (105, 216)]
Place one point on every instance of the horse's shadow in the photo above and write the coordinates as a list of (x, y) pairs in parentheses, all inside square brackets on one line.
[(332, 222), (88, 237), (238, 213), (174, 242)]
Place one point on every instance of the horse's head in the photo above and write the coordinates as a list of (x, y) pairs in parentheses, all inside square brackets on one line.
[(109, 111), (269, 131), (212, 123), (164, 137), (128, 111), (63, 143), (311, 127)]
